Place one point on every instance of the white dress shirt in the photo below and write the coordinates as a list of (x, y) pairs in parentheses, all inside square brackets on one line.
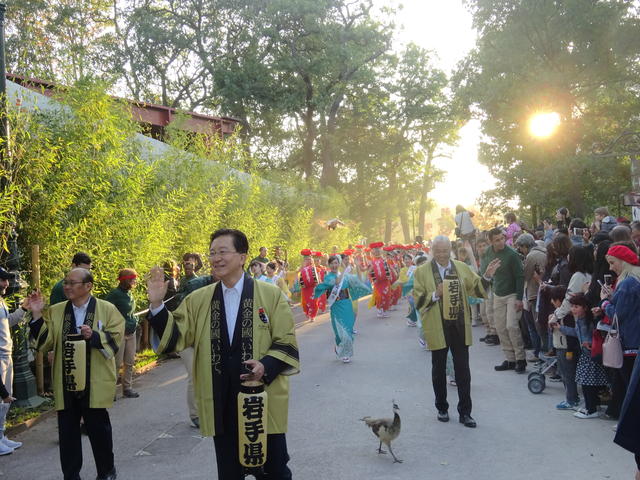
[(80, 313), (231, 298), (443, 271)]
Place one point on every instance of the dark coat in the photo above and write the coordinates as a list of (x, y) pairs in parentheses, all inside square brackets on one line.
[(628, 433)]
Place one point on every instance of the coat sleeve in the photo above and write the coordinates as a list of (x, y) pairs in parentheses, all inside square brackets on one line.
[(174, 331), (423, 295), (473, 283), (284, 346), (323, 287), (575, 286), (108, 337), (518, 273), (40, 332), (622, 302)]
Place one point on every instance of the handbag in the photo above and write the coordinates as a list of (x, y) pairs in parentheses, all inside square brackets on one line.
[(612, 347)]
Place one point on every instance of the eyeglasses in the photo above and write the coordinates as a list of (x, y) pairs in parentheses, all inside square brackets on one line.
[(223, 253), (71, 283)]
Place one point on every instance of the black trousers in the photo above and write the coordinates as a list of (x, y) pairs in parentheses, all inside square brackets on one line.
[(591, 399), (98, 425), (226, 445), (460, 354)]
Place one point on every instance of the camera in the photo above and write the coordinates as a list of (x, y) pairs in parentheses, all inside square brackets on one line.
[(578, 231)]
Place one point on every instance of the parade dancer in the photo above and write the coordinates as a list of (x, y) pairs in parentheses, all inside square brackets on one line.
[(341, 289), (394, 269), (308, 279), (322, 271), (381, 280), (405, 282)]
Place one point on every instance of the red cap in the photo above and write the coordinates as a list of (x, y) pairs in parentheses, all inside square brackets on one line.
[(623, 253), (317, 254), (376, 245), (305, 252), (360, 246), (388, 249), (367, 249)]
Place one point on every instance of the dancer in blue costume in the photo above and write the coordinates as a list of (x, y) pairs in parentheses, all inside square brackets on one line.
[(341, 290)]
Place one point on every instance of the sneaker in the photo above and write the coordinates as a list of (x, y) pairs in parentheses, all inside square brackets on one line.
[(346, 359), (195, 422), (385, 315), (583, 413), (451, 380), (130, 394), (354, 331), (555, 378), (564, 405), (5, 450), (11, 443), (411, 324), (521, 366)]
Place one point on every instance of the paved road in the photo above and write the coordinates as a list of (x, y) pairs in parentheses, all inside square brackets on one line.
[(519, 435)]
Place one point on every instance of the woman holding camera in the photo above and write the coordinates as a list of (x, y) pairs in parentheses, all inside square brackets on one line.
[(624, 303)]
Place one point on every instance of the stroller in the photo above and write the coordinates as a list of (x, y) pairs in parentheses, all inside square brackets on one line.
[(537, 380)]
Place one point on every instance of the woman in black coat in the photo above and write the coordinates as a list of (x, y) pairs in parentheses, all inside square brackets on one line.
[(628, 433)]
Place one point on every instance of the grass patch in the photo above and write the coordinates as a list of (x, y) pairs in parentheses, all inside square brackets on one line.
[(18, 415), (145, 357)]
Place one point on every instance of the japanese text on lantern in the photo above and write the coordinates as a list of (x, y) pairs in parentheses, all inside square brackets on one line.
[(253, 413)]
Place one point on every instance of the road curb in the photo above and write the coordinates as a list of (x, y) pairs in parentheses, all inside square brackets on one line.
[(27, 424)]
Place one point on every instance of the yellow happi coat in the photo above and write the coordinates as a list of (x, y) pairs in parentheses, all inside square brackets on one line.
[(424, 285), (193, 321), (109, 324)]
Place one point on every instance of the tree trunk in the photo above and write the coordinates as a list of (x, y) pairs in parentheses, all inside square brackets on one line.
[(404, 217), (426, 188), (308, 157), (388, 227), (392, 193), (329, 177), (534, 217)]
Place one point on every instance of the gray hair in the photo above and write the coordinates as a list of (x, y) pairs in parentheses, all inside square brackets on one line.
[(526, 240), (441, 239)]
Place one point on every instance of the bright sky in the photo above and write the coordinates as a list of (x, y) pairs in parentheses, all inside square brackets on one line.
[(444, 26)]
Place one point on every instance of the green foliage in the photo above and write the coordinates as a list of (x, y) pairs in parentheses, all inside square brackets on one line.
[(573, 57), (322, 100), (86, 184)]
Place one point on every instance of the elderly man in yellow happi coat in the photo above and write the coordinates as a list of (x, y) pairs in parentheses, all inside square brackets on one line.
[(441, 291), (240, 330), (82, 389)]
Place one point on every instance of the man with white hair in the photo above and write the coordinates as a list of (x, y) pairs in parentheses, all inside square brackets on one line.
[(534, 265), (441, 291)]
